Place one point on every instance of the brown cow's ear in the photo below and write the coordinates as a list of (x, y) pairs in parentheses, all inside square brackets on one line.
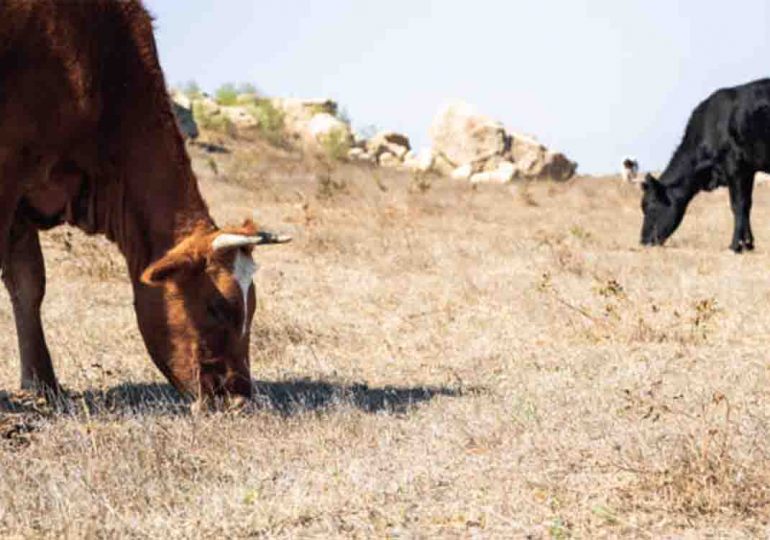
[(168, 267), (248, 227)]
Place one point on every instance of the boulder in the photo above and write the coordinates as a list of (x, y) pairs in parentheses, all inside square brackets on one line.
[(181, 99), (310, 121), (208, 105), (305, 109), (423, 161), (534, 161), (389, 141), (462, 136), (463, 172), (184, 118), (324, 124), (239, 116), (298, 113), (355, 153), (386, 159), (558, 167), (503, 173), (359, 154), (442, 165)]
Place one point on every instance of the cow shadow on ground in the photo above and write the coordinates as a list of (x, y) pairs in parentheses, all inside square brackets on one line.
[(287, 398)]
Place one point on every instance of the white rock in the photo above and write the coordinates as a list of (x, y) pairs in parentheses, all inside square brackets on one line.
[(181, 99), (355, 153), (389, 160), (504, 173), (463, 172), (462, 135), (239, 116), (325, 124), (420, 162)]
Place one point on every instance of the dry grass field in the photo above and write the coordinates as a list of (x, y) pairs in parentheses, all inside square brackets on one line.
[(432, 360)]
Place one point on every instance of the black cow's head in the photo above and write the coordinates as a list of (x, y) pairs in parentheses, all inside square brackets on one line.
[(662, 212)]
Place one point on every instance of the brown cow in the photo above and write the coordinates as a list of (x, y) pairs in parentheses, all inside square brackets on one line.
[(87, 137)]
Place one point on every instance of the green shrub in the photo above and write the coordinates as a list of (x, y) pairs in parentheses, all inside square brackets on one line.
[(270, 120), (191, 89), (336, 144), (212, 121), (226, 94)]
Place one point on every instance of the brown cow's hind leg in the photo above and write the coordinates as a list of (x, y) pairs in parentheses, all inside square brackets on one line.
[(24, 277)]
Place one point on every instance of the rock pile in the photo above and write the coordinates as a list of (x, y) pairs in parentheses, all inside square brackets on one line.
[(305, 122), (308, 122), (465, 144), (470, 146)]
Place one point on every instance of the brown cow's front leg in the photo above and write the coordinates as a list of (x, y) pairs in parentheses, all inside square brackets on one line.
[(24, 277)]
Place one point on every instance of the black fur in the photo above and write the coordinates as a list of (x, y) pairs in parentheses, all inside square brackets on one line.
[(727, 140)]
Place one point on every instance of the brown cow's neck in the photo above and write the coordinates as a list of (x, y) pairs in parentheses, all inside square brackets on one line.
[(146, 199), (140, 189)]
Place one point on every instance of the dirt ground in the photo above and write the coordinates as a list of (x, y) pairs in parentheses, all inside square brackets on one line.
[(431, 360)]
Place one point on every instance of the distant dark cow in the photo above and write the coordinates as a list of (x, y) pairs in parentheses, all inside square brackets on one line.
[(629, 169), (87, 137), (726, 142)]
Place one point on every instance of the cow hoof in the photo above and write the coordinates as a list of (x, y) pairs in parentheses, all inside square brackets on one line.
[(742, 246)]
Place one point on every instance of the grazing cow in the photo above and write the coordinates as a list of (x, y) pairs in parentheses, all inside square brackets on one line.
[(726, 141), (629, 169), (88, 138)]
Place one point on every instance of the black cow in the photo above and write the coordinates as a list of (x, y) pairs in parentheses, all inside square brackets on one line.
[(727, 140)]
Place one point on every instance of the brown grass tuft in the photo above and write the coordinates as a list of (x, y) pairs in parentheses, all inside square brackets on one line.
[(702, 472)]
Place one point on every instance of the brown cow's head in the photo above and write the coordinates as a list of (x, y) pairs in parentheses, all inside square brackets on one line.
[(196, 314)]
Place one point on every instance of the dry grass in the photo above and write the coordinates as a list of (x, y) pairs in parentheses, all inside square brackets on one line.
[(432, 360)]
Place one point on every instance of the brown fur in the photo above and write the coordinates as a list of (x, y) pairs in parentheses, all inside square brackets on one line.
[(87, 137)]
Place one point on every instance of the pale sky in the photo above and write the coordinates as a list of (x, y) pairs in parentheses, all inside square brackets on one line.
[(596, 79)]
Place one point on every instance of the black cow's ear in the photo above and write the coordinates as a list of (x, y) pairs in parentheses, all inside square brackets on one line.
[(656, 188), (649, 182)]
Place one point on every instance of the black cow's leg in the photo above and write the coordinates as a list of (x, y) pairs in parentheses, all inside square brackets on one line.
[(24, 277), (740, 202)]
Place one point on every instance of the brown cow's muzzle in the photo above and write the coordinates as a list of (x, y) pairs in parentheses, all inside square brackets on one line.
[(217, 391)]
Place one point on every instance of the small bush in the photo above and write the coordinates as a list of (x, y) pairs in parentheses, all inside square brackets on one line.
[(329, 187), (335, 144), (270, 121), (191, 90), (226, 94), (212, 121)]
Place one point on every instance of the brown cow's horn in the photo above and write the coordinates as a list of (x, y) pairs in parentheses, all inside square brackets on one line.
[(227, 241), (273, 238)]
